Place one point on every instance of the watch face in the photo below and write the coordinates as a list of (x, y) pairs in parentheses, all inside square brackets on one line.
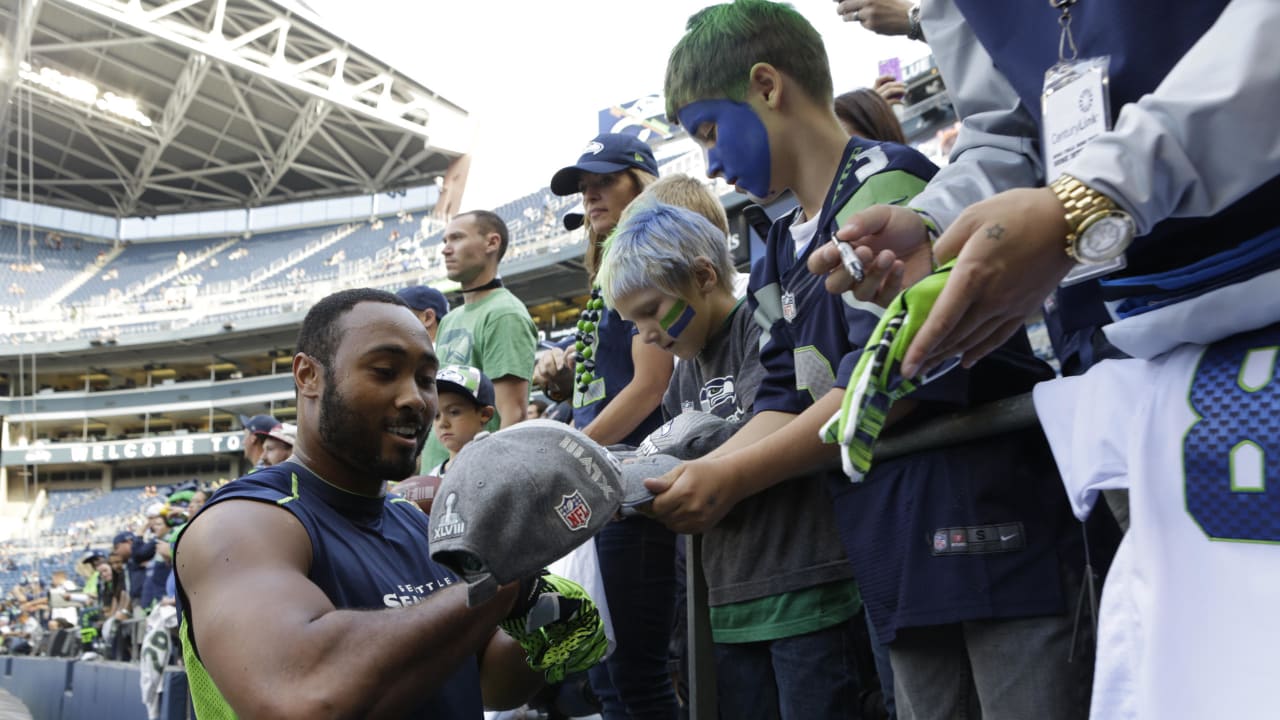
[(1105, 239)]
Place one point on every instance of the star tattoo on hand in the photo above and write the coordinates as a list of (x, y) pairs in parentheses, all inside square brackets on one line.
[(995, 232)]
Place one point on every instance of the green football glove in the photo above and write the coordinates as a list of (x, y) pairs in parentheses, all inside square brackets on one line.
[(877, 381), (558, 625)]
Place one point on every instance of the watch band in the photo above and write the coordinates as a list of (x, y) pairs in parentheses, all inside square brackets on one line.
[(1080, 202)]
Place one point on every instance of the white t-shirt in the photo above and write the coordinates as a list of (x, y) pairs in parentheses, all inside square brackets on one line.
[(1190, 620)]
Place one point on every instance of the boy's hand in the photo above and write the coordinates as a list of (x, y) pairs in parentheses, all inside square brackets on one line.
[(694, 497), (893, 245)]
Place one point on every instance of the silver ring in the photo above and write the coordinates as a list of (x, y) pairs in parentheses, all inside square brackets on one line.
[(854, 17)]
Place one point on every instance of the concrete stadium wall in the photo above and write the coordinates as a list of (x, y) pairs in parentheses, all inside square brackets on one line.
[(62, 689)]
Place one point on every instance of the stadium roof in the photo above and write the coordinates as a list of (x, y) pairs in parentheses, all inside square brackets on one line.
[(238, 104)]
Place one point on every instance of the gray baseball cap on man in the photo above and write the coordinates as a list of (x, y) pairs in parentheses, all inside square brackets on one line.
[(519, 499)]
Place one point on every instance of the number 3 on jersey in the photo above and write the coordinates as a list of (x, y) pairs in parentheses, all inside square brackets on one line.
[(1231, 453)]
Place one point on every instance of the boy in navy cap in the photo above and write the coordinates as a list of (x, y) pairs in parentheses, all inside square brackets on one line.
[(429, 304)]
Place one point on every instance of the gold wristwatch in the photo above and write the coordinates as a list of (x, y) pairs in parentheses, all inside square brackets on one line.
[(1097, 230)]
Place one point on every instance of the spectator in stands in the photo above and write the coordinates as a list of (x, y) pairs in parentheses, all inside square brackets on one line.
[(619, 382), (429, 303), (537, 408), (466, 405), (492, 330), (863, 113), (278, 445), (135, 552), (256, 430), (362, 622)]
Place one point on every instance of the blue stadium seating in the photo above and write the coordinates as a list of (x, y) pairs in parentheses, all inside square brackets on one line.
[(60, 266)]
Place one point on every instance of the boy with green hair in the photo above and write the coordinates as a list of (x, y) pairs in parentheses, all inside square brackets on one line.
[(779, 585), (959, 552)]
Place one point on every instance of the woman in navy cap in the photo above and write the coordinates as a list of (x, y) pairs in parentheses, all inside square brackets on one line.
[(618, 386)]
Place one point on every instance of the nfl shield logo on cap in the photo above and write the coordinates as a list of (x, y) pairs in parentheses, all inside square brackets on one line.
[(574, 511)]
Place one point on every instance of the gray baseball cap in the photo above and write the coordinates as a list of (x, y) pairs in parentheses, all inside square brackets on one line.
[(689, 435), (514, 501)]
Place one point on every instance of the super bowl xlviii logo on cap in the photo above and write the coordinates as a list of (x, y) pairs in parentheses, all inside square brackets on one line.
[(451, 523), (574, 510), (592, 147)]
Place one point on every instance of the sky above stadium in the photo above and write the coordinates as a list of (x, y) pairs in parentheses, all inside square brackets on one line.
[(534, 75)]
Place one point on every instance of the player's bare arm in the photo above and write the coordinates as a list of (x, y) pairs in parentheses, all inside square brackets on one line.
[(511, 395), (301, 657), (506, 680), (641, 396)]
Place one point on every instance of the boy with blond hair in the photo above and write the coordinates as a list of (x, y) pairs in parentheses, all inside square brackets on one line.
[(779, 585)]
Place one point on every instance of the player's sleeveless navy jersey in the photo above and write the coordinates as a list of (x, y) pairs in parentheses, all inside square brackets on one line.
[(366, 553), (614, 368), (899, 526), (1144, 39)]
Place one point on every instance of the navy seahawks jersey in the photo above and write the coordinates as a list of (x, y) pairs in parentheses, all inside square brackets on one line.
[(366, 553), (808, 332), (613, 370)]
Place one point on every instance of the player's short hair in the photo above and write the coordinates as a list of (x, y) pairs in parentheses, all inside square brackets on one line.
[(657, 246), (691, 193), (320, 334), (722, 42), (869, 115), (490, 222)]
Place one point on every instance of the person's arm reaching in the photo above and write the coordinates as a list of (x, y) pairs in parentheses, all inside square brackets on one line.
[(511, 395), (305, 658), (770, 449), (623, 414)]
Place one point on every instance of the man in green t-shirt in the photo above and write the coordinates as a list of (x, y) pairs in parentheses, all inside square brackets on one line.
[(492, 330)]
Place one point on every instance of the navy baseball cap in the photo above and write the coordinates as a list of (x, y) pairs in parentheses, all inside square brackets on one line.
[(467, 381), (421, 297), (122, 537), (259, 424), (607, 153)]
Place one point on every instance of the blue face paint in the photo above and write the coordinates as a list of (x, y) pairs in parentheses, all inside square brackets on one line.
[(741, 151), (677, 319)]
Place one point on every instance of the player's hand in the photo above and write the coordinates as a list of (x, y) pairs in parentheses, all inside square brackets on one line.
[(893, 90), (692, 498), (1010, 250), (886, 17), (558, 625), (893, 245)]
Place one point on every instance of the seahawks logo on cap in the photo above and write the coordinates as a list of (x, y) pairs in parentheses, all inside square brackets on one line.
[(593, 148)]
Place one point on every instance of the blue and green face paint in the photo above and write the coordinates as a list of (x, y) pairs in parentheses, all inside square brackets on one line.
[(741, 152), (677, 318)]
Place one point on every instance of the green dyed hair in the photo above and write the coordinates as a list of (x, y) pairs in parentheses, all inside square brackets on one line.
[(723, 42)]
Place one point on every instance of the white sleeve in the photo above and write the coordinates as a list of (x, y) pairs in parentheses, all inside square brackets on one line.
[(1207, 135), (998, 144), (1090, 421)]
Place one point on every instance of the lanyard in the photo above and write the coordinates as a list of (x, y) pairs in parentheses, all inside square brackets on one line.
[(1065, 40)]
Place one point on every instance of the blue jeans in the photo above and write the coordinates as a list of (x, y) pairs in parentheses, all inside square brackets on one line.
[(637, 564), (814, 675), (884, 669)]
